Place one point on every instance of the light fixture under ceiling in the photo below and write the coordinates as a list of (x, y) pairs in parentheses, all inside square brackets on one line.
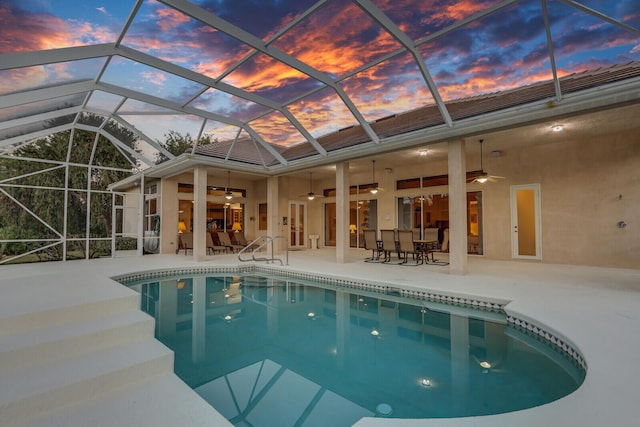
[(482, 176), (557, 128), (423, 152), (227, 192), (374, 190), (310, 194)]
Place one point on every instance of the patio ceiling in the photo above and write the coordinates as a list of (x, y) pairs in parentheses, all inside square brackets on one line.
[(288, 85)]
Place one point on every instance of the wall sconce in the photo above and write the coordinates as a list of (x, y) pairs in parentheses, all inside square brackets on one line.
[(182, 227), (352, 228)]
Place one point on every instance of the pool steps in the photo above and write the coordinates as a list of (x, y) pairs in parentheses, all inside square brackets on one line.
[(52, 343), (61, 362), (86, 376)]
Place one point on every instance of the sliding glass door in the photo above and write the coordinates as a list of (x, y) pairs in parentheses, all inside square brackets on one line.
[(432, 211)]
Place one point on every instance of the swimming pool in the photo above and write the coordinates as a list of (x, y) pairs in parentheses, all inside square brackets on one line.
[(270, 350)]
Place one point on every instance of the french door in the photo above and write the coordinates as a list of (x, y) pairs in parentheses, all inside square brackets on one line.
[(297, 224), (526, 242)]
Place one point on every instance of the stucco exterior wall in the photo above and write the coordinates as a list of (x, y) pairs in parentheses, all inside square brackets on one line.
[(587, 187)]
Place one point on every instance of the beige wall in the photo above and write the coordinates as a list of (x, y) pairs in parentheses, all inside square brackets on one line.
[(581, 182)]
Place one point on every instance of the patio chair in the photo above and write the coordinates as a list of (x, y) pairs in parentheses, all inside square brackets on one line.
[(431, 244), (407, 246), (388, 244), (445, 241), (371, 244)]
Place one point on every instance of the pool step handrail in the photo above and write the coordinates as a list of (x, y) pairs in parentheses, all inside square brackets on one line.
[(265, 241)]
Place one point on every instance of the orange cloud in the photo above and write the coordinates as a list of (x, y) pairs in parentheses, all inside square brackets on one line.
[(263, 73), (457, 11), (331, 40), (23, 32), (22, 78), (170, 19), (433, 13)]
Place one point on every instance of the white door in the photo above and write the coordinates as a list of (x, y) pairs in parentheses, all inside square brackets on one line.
[(297, 224), (525, 222)]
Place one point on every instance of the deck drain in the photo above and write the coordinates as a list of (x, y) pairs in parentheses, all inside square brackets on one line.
[(384, 409)]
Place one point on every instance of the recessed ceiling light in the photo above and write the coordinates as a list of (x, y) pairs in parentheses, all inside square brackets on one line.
[(423, 152), (557, 128)]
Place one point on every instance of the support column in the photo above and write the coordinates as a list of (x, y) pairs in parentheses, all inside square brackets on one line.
[(457, 208), (169, 216), (342, 211), (140, 248), (199, 213), (274, 222)]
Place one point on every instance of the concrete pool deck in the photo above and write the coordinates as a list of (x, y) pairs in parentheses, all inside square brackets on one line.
[(596, 309)]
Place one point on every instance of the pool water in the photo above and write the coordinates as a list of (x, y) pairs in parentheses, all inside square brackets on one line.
[(270, 351)]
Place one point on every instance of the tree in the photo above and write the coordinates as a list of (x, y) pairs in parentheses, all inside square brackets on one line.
[(42, 191), (178, 144)]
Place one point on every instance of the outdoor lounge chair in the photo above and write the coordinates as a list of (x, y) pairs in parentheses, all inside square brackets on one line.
[(241, 240), (185, 242), (225, 240), (212, 246)]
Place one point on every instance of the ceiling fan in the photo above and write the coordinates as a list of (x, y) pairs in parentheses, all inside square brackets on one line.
[(376, 188), (311, 195), (483, 176)]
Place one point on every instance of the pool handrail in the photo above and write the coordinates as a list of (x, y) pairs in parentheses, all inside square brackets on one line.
[(266, 241)]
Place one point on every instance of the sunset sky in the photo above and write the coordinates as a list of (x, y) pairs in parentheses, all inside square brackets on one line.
[(504, 50)]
